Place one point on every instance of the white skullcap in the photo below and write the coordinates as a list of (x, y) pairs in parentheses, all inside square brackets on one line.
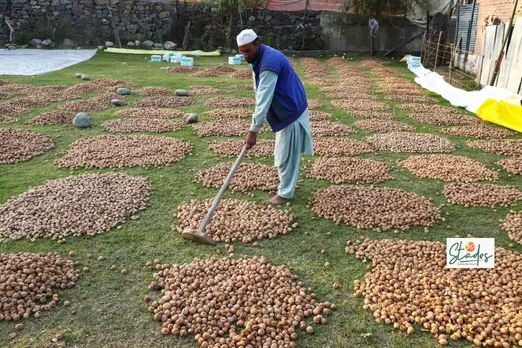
[(246, 37)]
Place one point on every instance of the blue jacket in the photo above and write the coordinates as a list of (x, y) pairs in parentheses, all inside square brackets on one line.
[(289, 101)]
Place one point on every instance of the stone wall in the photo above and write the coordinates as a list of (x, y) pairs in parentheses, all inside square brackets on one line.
[(349, 32), (93, 22)]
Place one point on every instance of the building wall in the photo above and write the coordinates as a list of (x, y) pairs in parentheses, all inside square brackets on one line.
[(350, 32), (499, 8)]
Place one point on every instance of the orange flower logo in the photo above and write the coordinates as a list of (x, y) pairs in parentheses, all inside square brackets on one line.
[(470, 246)]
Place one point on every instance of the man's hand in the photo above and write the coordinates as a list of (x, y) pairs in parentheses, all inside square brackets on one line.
[(251, 139)]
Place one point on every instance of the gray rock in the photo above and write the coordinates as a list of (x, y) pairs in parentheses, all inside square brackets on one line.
[(123, 91), (35, 42), (68, 43), (78, 75), (100, 48), (182, 92), (85, 77), (191, 118), (169, 45), (132, 28), (109, 44), (137, 43), (82, 120), (147, 44), (158, 46), (252, 18), (233, 52), (47, 43), (131, 44), (117, 102)]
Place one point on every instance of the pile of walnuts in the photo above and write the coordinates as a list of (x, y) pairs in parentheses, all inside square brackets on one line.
[(224, 114), (52, 117), (508, 147), (28, 283), (116, 151), (235, 220), (151, 112), (100, 102), (478, 131), (380, 208), (80, 205), (375, 125), (18, 145), (245, 302), (249, 176), (165, 102), (340, 146), (141, 125), (230, 102), (222, 128), (330, 129), (448, 168), (410, 142), (231, 148), (351, 170), (409, 283), (481, 195)]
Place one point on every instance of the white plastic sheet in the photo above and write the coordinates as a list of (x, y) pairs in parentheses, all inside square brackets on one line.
[(417, 13), (38, 61), (459, 97)]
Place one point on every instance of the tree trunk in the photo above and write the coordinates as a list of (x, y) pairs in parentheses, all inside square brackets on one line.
[(229, 32)]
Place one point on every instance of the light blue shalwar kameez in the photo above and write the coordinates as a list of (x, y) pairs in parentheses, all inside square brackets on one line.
[(290, 142)]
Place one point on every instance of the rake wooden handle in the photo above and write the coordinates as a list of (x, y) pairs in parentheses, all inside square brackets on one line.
[(222, 190)]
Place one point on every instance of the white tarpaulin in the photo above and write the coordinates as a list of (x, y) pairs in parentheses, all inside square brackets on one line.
[(417, 15), (38, 61), (472, 101)]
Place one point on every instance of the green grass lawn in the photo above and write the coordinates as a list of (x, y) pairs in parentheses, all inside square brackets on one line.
[(107, 307)]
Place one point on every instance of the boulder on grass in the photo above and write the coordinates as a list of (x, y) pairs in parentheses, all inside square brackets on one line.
[(182, 92), (35, 42), (191, 118), (117, 102), (82, 120), (147, 44), (123, 91), (169, 45)]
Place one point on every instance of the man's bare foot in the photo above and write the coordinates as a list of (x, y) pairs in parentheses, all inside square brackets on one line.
[(272, 188), (276, 200)]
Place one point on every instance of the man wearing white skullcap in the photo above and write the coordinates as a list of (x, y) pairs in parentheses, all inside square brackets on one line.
[(281, 100)]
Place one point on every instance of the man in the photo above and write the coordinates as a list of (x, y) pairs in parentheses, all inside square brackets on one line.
[(281, 100)]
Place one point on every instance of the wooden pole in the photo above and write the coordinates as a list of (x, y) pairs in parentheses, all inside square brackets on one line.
[(501, 53), (437, 54), (423, 49), (114, 27), (451, 62), (469, 34), (457, 25)]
